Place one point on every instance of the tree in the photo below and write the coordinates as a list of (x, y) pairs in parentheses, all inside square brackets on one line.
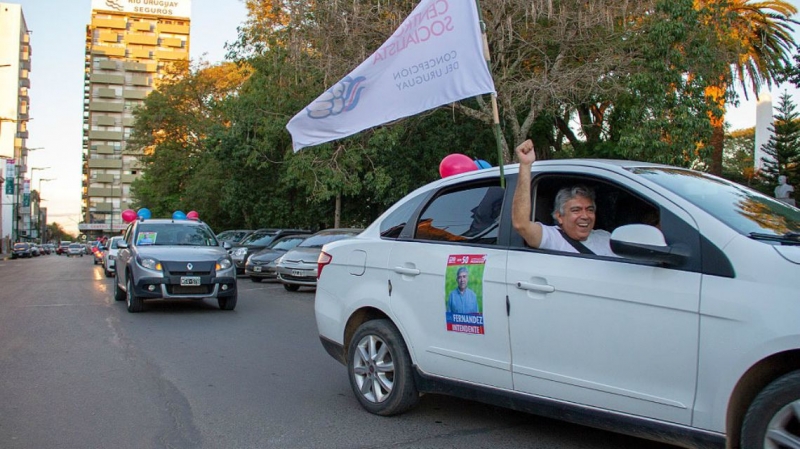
[(758, 41), (56, 233), (738, 157), (783, 147)]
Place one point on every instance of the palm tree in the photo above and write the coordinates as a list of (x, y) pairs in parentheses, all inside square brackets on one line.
[(760, 43)]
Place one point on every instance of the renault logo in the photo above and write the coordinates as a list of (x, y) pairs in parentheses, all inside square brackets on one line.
[(189, 266)]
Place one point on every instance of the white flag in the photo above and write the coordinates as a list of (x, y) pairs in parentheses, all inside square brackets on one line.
[(434, 58)]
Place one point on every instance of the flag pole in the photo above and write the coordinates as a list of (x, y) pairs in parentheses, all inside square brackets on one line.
[(495, 113)]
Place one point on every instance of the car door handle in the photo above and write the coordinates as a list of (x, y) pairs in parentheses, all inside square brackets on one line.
[(407, 271), (543, 288)]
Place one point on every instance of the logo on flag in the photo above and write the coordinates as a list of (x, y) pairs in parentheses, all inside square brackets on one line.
[(435, 57)]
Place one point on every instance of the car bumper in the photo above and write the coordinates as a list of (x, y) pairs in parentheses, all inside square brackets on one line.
[(170, 288), (262, 272)]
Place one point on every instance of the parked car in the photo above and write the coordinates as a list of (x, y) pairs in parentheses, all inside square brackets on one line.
[(257, 241), (35, 250), (689, 336), (21, 250), (298, 267), (63, 247), (261, 265), (75, 249), (110, 256), (234, 236), (173, 259)]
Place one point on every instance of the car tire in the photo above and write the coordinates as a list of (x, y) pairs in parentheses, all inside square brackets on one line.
[(108, 273), (773, 415), (257, 280), (227, 303), (291, 287), (119, 294), (380, 369), (135, 303)]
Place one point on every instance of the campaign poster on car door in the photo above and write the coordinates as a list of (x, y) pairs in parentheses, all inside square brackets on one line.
[(463, 290)]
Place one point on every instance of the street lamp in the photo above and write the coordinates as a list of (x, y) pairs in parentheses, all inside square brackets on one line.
[(40, 186)]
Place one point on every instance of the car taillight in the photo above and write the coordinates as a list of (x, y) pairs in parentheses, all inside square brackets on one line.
[(323, 259)]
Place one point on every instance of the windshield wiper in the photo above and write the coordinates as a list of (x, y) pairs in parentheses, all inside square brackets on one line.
[(790, 238)]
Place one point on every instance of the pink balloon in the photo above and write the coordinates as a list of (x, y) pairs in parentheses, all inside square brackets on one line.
[(128, 215), (193, 215), (456, 163)]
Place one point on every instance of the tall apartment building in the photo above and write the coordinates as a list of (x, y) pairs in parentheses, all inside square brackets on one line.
[(129, 45), (15, 66)]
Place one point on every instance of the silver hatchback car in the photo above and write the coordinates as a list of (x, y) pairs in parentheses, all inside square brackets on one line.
[(173, 259)]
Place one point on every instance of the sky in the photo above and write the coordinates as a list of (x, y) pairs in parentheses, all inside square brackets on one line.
[(58, 33), (57, 42)]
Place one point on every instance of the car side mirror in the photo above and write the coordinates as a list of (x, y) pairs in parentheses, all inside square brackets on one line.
[(644, 242), (122, 244), (227, 245)]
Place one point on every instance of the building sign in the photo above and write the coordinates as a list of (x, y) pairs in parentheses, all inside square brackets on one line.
[(9, 176), (102, 226), (26, 194), (174, 8)]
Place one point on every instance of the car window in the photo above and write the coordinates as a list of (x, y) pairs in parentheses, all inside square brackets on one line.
[(114, 243), (468, 215), (393, 224)]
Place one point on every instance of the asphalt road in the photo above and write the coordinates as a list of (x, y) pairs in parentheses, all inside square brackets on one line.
[(78, 371)]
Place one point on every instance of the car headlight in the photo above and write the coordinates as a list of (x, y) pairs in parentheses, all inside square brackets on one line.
[(149, 263), (240, 252), (224, 264)]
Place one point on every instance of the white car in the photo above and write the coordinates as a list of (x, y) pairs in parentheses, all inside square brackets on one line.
[(690, 336), (110, 256), (75, 249)]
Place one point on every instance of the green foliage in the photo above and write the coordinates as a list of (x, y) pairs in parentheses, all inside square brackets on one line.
[(738, 154), (783, 147)]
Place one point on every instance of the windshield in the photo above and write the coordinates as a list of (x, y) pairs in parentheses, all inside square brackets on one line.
[(232, 236), (286, 244), (316, 241), (262, 238), (739, 207), (114, 243), (174, 234)]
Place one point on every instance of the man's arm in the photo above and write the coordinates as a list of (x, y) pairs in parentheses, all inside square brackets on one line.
[(521, 207)]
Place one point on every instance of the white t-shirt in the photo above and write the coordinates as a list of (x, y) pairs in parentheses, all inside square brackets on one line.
[(599, 241)]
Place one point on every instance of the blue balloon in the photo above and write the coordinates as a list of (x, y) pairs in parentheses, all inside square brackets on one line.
[(144, 213), (178, 215), (482, 164)]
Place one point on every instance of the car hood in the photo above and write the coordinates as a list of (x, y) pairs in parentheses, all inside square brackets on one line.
[(183, 253), (308, 255), (267, 255), (790, 253)]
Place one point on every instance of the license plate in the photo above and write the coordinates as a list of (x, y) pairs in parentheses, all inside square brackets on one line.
[(298, 273), (190, 280), (257, 269)]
